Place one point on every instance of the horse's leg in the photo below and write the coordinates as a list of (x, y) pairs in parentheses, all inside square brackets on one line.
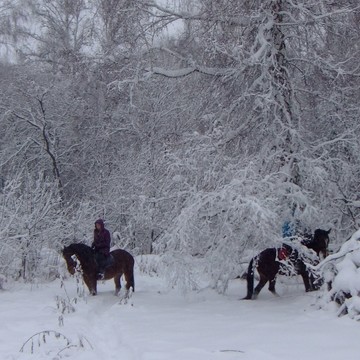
[(300, 268), (117, 281), (305, 276), (324, 254), (272, 283), (94, 290), (91, 283), (250, 280), (260, 285), (129, 278), (306, 280)]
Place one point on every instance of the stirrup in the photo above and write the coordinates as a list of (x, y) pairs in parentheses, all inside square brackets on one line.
[(100, 276)]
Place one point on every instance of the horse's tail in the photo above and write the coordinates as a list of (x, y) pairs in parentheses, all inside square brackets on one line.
[(130, 276), (250, 280), (132, 280)]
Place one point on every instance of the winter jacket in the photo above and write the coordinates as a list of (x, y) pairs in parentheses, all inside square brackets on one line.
[(295, 228), (102, 239)]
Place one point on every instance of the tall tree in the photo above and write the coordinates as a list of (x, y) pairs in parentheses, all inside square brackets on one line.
[(57, 34)]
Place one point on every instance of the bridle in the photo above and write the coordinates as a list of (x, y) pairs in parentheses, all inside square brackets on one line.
[(71, 262)]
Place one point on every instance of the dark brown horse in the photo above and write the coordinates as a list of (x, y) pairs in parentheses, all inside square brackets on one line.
[(319, 243), (287, 260), (122, 263)]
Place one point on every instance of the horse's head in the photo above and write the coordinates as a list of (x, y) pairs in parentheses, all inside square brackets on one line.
[(78, 252), (68, 255), (321, 241)]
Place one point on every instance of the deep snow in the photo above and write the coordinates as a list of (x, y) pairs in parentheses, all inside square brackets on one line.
[(158, 324)]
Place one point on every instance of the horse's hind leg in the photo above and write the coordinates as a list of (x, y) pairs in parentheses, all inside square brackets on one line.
[(129, 278), (117, 282)]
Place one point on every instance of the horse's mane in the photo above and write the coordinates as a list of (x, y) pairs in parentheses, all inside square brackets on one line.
[(319, 236), (79, 249), (312, 238), (319, 232)]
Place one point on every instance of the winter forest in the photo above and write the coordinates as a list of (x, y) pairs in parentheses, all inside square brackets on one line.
[(193, 128)]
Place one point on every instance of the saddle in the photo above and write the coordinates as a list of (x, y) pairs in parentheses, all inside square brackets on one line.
[(283, 253), (108, 261), (102, 265), (103, 262)]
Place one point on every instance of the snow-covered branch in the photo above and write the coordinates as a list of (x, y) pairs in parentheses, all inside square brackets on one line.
[(199, 16), (190, 70)]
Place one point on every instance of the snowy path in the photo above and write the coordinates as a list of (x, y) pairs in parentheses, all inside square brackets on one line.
[(160, 325)]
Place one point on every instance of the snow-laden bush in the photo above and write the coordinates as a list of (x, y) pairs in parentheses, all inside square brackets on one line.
[(219, 226), (148, 264), (181, 271), (342, 275), (227, 225)]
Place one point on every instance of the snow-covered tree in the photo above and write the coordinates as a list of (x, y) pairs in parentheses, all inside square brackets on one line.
[(57, 34), (198, 145), (342, 275), (262, 59)]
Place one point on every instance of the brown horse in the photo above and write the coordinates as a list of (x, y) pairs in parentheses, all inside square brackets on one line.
[(122, 263), (287, 260)]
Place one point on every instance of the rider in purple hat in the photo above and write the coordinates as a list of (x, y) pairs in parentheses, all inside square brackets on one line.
[(101, 246)]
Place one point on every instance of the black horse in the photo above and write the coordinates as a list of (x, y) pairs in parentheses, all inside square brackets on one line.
[(287, 260), (319, 243), (122, 263)]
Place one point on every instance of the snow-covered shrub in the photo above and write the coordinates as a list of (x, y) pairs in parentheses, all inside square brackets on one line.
[(226, 225), (148, 264), (341, 272), (218, 226), (181, 271), (2, 281)]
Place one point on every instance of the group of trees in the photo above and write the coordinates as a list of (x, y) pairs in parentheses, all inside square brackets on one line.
[(193, 128)]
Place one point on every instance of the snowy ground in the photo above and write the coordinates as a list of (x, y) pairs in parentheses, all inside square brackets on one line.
[(157, 324)]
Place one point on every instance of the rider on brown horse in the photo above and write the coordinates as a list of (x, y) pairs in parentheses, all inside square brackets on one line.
[(101, 246)]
